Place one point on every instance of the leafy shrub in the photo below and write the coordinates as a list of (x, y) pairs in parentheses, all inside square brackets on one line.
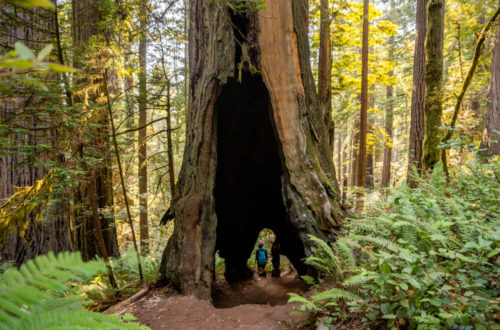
[(424, 258), (102, 295), (35, 296)]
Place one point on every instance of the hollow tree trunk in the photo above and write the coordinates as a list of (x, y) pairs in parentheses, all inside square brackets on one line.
[(254, 156), (416, 140), (490, 142)]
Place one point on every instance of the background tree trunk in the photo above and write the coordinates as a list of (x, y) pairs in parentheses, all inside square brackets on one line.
[(433, 82), (86, 16), (142, 142), (21, 161), (389, 120), (415, 150), (491, 135), (255, 156), (325, 72), (363, 123)]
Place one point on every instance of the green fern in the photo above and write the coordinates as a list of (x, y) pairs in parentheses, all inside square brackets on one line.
[(33, 297), (335, 294), (346, 253)]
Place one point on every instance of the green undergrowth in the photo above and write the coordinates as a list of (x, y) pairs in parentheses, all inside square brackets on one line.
[(38, 296), (424, 258), (101, 295)]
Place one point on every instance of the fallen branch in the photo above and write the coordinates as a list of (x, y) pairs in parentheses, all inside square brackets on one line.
[(118, 307)]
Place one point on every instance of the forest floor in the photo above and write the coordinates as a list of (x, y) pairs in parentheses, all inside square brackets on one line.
[(257, 303)]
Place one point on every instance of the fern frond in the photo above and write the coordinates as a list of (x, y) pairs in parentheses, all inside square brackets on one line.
[(306, 304), (31, 297), (377, 241), (358, 279), (335, 295), (346, 253)]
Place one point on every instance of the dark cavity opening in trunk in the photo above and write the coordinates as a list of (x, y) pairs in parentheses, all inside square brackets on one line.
[(248, 189)]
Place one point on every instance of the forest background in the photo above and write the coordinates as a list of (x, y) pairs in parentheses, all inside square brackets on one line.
[(92, 128)]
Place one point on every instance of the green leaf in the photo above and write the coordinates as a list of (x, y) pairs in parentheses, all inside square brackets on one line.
[(389, 316), (44, 52), (24, 52), (32, 3), (59, 67), (16, 64)]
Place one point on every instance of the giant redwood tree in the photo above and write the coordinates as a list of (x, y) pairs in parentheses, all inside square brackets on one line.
[(255, 155)]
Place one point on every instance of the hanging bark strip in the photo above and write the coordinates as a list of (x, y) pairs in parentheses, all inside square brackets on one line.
[(122, 181), (170, 151), (465, 86)]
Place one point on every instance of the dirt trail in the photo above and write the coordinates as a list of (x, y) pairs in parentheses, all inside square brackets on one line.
[(259, 303)]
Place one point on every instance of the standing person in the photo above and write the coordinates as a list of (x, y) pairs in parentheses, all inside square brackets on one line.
[(261, 259)]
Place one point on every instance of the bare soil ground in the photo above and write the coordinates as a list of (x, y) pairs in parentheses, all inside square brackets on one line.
[(258, 303)]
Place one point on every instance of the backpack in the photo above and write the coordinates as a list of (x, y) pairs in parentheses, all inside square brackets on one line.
[(261, 256)]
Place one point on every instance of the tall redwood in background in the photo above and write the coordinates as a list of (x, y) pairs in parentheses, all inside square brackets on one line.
[(415, 149), (433, 82), (363, 123), (491, 134)]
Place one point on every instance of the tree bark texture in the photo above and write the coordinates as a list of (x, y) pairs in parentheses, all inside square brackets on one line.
[(86, 16), (170, 150), (389, 120), (491, 134), (433, 82), (142, 145), (255, 155), (363, 122), (415, 150), (21, 160), (325, 72)]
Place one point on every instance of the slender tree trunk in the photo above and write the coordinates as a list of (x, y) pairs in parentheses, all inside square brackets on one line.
[(363, 121), (433, 82), (370, 148), (415, 150), (339, 156), (491, 134), (142, 144), (253, 144), (389, 120), (354, 151), (325, 71)]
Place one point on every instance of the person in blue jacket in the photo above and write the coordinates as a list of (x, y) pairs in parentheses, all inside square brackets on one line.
[(261, 259)]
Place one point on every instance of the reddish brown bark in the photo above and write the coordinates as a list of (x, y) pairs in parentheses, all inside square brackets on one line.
[(271, 114), (415, 150)]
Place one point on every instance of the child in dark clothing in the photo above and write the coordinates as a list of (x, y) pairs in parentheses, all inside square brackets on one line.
[(261, 259)]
